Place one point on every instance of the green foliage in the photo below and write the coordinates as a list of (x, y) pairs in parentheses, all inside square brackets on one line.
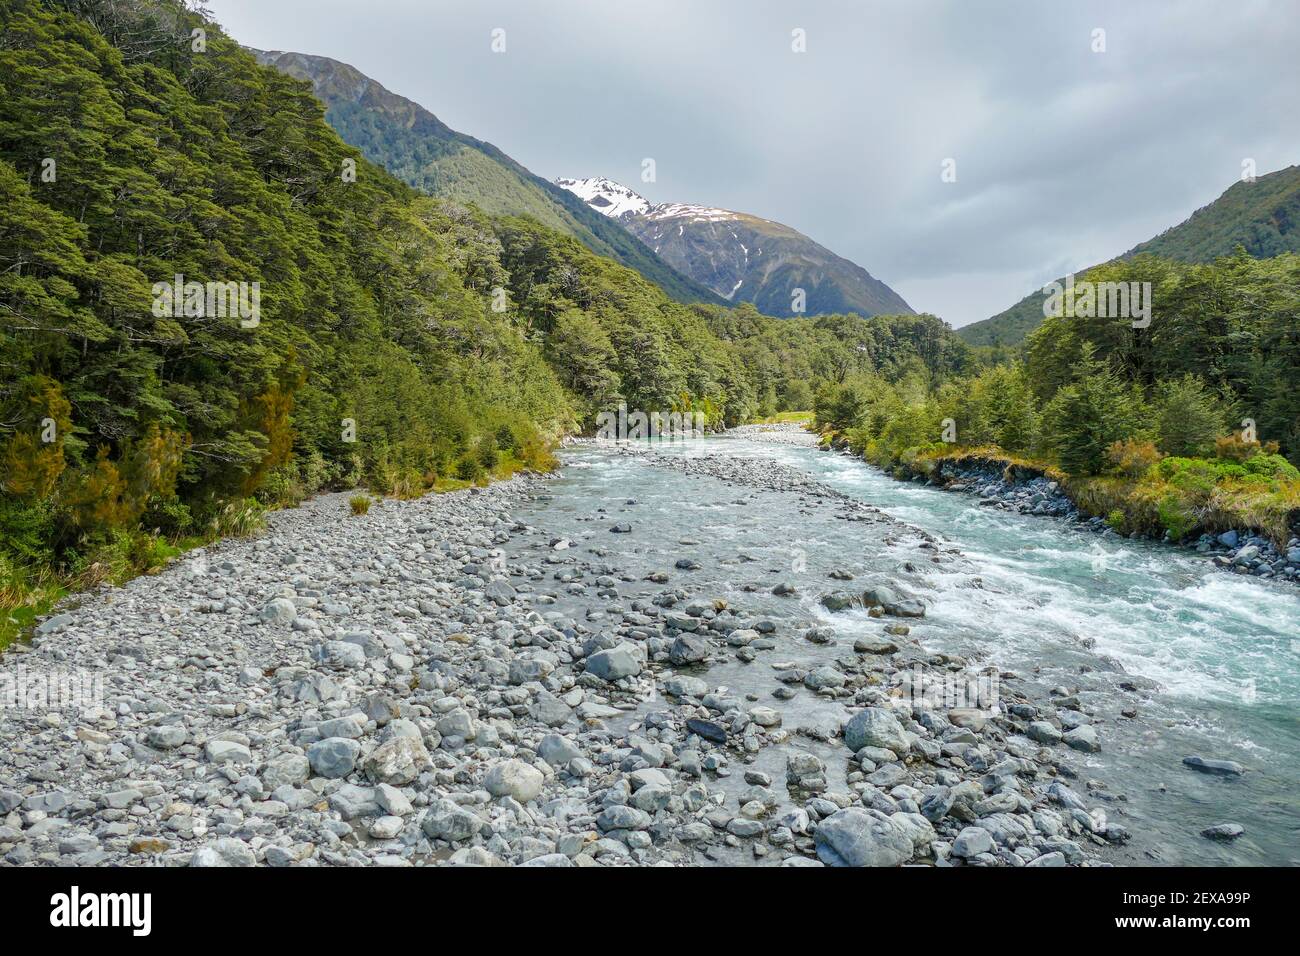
[(1188, 417), (1258, 218), (359, 504), (487, 453), (1087, 416), (422, 151)]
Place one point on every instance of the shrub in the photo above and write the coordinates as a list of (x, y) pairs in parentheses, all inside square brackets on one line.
[(1089, 415), (1131, 458), (359, 504), (1235, 448), (1271, 465), (1176, 516), (505, 439), (168, 516), (535, 452), (281, 487), (239, 518), (469, 468), (487, 453)]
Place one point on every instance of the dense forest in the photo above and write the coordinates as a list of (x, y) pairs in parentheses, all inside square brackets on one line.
[(1191, 423), (402, 342)]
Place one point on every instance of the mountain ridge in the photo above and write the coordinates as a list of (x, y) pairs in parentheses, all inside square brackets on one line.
[(411, 142), (725, 251), (1262, 217)]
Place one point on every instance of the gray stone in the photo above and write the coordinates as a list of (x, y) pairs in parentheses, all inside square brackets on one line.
[(1225, 832), (334, 757), (688, 649), (399, 761), (971, 842), (279, 611), (557, 750), (1082, 738), (291, 770), (224, 852), (226, 751), (615, 663), (448, 821), (166, 736), (516, 779), (1044, 732), (1223, 768), (858, 837), (875, 727)]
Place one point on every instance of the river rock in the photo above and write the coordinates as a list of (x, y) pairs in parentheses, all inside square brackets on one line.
[(615, 663), (1222, 768), (858, 837), (398, 761), (688, 649), (1225, 832), (516, 779), (280, 611), (333, 757), (1083, 737), (875, 727)]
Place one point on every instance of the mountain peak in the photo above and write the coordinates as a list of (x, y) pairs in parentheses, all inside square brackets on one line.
[(741, 257), (606, 196)]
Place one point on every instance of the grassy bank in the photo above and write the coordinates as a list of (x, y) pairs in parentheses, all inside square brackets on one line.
[(1247, 488)]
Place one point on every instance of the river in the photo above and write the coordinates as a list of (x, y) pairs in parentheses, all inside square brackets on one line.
[(1207, 661)]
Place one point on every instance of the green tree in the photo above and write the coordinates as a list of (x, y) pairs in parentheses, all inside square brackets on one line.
[(1188, 417), (1085, 417)]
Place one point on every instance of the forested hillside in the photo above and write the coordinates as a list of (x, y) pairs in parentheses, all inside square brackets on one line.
[(402, 342), (422, 151), (1262, 217), (1191, 423)]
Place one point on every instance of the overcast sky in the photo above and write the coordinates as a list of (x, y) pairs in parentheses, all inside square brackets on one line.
[(1064, 157)]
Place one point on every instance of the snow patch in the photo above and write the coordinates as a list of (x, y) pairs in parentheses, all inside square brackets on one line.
[(606, 196)]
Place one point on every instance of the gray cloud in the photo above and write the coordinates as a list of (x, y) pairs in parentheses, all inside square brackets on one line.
[(1065, 157)]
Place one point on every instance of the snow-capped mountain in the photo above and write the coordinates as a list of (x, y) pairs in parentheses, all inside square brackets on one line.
[(606, 196), (740, 257)]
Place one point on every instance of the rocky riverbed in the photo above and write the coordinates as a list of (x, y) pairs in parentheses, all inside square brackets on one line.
[(440, 682)]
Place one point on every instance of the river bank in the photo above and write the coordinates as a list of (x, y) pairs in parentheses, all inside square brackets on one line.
[(439, 681), (1029, 490)]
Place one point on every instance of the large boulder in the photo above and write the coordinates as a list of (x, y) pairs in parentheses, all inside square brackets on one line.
[(279, 611), (399, 761), (226, 851), (859, 837), (839, 601), (688, 649), (514, 778), (449, 821), (615, 663), (875, 727), (333, 757)]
